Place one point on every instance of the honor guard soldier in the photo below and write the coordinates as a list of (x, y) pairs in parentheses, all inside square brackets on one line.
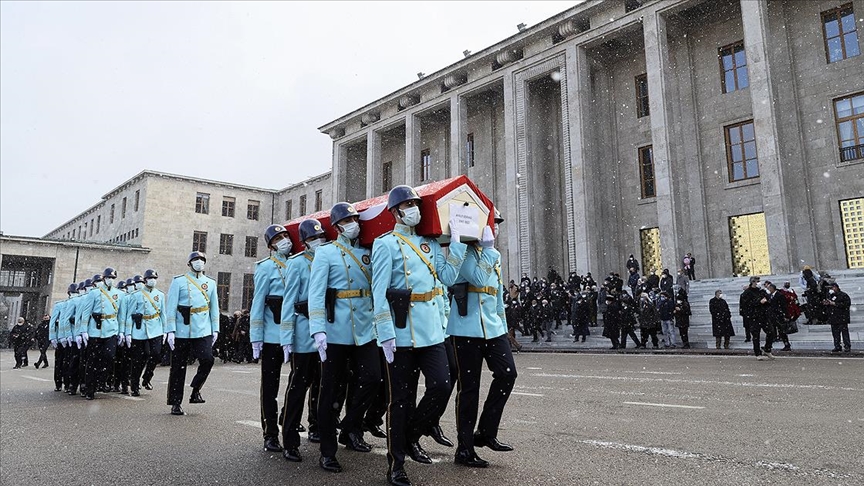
[(145, 325), (265, 317), (58, 338), (297, 343), (100, 311), (340, 322), (478, 329), (123, 361), (68, 319), (407, 269), (192, 327)]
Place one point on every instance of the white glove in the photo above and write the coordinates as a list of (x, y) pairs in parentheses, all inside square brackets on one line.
[(454, 231), (287, 350), (78, 341), (488, 239), (321, 345), (129, 341), (215, 337), (54, 343), (120, 340), (170, 339), (257, 346), (389, 347), (64, 342), (84, 338)]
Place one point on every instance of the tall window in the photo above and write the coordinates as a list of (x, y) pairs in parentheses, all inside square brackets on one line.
[(387, 176), (849, 113), (733, 66), (469, 150), (123, 209), (642, 108), (199, 241), (252, 210), (226, 244), (251, 246), (425, 165), (137, 199), (202, 203), (223, 289), (646, 171), (841, 35), (91, 226), (84, 234), (303, 205), (248, 289), (289, 209), (111, 215), (98, 223), (741, 151), (318, 201), (228, 206)]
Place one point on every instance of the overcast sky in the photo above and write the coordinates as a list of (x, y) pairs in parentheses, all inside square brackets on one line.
[(93, 93)]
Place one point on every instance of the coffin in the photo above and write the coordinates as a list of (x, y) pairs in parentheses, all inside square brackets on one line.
[(458, 194)]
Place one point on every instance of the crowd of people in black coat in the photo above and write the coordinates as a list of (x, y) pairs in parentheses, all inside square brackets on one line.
[(23, 336)]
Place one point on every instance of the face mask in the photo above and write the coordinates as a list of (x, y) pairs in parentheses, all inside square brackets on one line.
[(198, 265), (139, 285), (109, 282), (283, 246), (313, 244), (351, 230), (831, 291), (720, 296), (151, 282), (411, 216), (496, 229)]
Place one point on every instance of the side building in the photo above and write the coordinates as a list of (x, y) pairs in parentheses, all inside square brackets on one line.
[(731, 129)]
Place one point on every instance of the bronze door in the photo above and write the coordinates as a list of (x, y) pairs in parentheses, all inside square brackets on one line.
[(852, 214), (650, 242), (749, 239)]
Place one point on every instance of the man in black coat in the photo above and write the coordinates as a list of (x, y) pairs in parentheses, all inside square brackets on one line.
[(838, 304), (612, 320), (42, 340), (721, 319), (754, 310), (20, 339)]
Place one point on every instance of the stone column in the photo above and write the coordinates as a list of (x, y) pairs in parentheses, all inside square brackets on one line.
[(340, 167), (657, 65), (412, 152), (754, 17), (509, 200), (373, 163), (579, 98), (458, 115)]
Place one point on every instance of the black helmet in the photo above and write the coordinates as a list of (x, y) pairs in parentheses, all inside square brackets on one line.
[(109, 273), (150, 273), (340, 211), (195, 255), (72, 288), (121, 284), (130, 281), (138, 279), (96, 279), (88, 282), (82, 285), (310, 228), (400, 194), (272, 231)]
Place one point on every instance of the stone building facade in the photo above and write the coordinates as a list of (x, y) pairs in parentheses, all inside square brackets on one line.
[(732, 129)]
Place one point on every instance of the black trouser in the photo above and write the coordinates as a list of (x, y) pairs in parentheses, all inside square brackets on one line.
[(685, 336), (303, 366), (83, 365), (841, 331), (122, 365), (405, 421), (454, 374), (144, 352), (691, 273), (21, 354), (783, 336), (198, 348), (363, 362), (769, 337), (628, 331), (43, 358), (101, 353), (748, 335), (314, 391), (646, 333), (60, 356), (73, 365), (272, 357), (375, 413), (470, 354)]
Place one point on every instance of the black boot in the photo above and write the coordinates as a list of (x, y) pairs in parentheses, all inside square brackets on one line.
[(196, 396), (176, 409), (438, 436)]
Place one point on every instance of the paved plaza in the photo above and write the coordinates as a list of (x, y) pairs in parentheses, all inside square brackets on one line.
[(603, 418)]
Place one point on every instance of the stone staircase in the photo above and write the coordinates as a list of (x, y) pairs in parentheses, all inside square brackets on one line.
[(812, 337)]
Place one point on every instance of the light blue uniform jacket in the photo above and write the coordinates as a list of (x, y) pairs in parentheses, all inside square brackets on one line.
[(270, 278), (108, 302), (396, 265), (334, 267), (295, 327), (69, 313), (485, 317), (55, 325), (184, 292), (148, 303)]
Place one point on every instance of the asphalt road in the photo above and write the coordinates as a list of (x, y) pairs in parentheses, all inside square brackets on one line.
[(573, 419)]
